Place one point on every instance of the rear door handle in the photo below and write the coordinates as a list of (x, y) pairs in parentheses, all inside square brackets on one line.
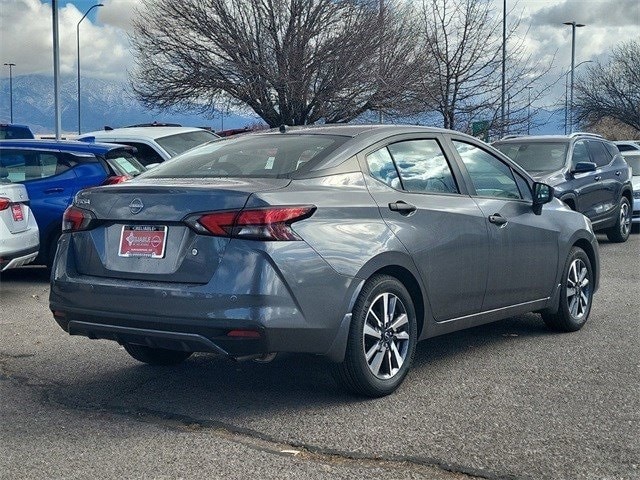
[(402, 207), (618, 173), (498, 219), (597, 178), (54, 190)]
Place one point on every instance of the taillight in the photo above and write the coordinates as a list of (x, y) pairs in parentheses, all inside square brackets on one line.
[(272, 223), (75, 219), (116, 179), (4, 203)]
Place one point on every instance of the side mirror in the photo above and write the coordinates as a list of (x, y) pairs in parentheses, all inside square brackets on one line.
[(582, 167), (542, 193)]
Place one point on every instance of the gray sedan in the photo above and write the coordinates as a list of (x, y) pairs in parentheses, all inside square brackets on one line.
[(350, 242)]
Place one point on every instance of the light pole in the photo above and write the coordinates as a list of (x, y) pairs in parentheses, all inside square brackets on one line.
[(78, 44), (566, 93), (529, 112), (504, 64), (574, 25), (10, 65)]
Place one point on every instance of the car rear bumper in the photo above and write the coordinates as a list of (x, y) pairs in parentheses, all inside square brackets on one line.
[(18, 258), (277, 307)]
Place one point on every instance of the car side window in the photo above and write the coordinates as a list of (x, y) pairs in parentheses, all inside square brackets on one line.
[(599, 153), (382, 168), (423, 167), (491, 177), (145, 154), (26, 165), (580, 153)]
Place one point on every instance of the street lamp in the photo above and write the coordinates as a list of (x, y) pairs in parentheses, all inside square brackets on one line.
[(566, 93), (78, 44), (574, 25), (10, 65)]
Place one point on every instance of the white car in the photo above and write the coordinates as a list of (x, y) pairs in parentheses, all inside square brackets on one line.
[(19, 239), (633, 159), (628, 145), (154, 144)]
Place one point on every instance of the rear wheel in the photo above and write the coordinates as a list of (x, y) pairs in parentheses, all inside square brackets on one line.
[(620, 231), (382, 339), (576, 293), (156, 356)]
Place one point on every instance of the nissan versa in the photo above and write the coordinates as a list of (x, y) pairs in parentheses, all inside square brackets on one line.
[(351, 242)]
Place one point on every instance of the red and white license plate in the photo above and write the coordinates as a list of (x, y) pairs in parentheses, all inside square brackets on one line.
[(16, 211), (143, 241)]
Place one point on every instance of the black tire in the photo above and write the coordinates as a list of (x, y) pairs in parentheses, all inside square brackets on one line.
[(392, 349), (620, 231), (156, 356), (576, 294)]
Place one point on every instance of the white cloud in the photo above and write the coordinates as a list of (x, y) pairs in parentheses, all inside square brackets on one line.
[(26, 39)]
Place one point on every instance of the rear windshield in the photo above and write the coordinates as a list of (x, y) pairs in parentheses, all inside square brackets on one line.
[(181, 142), (265, 156), (11, 132), (536, 156), (123, 163)]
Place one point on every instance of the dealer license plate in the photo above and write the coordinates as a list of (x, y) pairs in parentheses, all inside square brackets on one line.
[(16, 211), (143, 241)]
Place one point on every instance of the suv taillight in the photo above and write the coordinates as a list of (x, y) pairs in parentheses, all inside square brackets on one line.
[(75, 219), (272, 223)]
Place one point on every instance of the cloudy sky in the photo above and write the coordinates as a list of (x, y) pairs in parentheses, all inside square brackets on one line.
[(26, 39)]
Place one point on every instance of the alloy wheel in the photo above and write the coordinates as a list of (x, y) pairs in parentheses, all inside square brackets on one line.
[(386, 336), (578, 289), (625, 219)]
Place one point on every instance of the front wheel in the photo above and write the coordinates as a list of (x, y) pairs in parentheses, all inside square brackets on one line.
[(382, 339), (576, 294), (621, 230), (156, 356)]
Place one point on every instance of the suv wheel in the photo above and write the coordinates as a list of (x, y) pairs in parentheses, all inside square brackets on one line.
[(382, 339), (620, 231)]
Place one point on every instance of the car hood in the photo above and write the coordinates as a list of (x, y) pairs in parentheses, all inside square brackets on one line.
[(550, 178)]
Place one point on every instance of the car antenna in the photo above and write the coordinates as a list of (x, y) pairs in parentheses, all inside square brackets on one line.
[(283, 128)]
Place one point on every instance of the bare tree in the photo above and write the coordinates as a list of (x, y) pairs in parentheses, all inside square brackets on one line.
[(293, 62), (613, 89), (462, 82)]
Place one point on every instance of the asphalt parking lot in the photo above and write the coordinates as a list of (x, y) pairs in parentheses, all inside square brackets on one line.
[(507, 400)]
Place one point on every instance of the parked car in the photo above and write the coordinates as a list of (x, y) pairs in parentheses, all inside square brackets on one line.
[(18, 227), (351, 242), (586, 171), (154, 144), (632, 157), (627, 145), (54, 171), (12, 131)]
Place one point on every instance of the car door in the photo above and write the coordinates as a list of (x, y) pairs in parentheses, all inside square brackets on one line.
[(608, 180), (523, 247), (441, 227)]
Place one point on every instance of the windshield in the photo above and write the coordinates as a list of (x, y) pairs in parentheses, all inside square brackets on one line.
[(123, 163), (181, 142), (536, 156), (263, 156)]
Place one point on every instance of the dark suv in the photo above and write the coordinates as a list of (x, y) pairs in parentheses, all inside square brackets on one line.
[(587, 172)]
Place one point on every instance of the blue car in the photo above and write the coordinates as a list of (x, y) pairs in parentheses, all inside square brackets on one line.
[(54, 171)]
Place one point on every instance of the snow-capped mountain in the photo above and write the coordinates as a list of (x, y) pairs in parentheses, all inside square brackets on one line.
[(104, 102)]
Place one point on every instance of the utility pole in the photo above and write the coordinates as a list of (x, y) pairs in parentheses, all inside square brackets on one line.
[(504, 64), (78, 45), (529, 112), (10, 65), (380, 60)]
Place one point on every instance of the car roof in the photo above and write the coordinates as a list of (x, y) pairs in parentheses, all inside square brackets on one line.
[(148, 133), (5, 125), (73, 146), (352, 130)]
